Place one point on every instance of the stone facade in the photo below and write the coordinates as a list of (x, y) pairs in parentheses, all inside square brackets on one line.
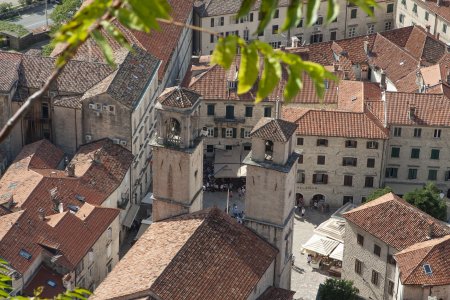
[(417, 292), (427, 14), (351, 21), (345, 183), (370, 262)]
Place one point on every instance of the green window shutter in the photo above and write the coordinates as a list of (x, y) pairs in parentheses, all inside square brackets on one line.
[(234, 132), (223, 132), (216, 132), (242, 133)]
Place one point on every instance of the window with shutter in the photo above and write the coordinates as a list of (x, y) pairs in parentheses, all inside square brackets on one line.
[(216, 132), (300, 159), (242, 133), (348, 180), (223, 132), (358, 267), (234, 132)]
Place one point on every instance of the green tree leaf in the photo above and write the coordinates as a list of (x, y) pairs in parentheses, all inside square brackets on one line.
[(248, 69), (333, 10), (311, 11), (365, 5), (293, 15), (294, 83), (116, 34), (271, 75), (225, 51), (267, 10), (104, 46), (246, 6), (132, 20)]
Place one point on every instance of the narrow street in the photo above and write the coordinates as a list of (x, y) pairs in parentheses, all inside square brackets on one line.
[(35, 18)]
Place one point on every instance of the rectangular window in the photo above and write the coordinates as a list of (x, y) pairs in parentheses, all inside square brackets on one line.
[(391, 172), (415, 153), (249, 111), (44, 110), (353, 13), (212, 22), (247, 133), (427, 16), (390, 8), (246, 34), (412, 173), (348, 180), (316, 38), (360, 240), (349, 161), (333, 35), (375, 276), (350, 144), (212, 38), (358, 267), (368, 182), (444, 28), (397, 131), (404, 3), (351, 32), (414, 8), (300, 176), (275, 29), (437, 133), (390, 287), (210, 131), (209, 148), (347, 199), (390, 259), (229, 132), (300, 141), (267, 111), (395, 152), (300, 159), (222, 21), (387, 25), (247, 147), (322, 142), (432, 174), (417, 132), (371, 162), (277, 14), (377, 250), (229, 112), (320, 178), (319, 21), (434, 154), (370, 28), (447, 176), (228, 147), (300, 24), (210, 108), (372, 145), (321, 160), (401, 18)]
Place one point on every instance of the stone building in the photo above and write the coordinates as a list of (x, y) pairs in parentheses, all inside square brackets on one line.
[(341, 155), (422, 270), (63, 222), (432, 15), (269, 201), (177, 155), (220, 17), (376, 235)]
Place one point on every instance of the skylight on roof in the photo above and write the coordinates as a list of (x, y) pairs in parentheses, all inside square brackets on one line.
[(427, 269), (51, 283), (25, 254), (80, 198)]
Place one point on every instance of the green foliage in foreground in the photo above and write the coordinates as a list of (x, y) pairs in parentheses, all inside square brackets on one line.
[(337, 289), (378, 193), (11, 27), (428, 200)]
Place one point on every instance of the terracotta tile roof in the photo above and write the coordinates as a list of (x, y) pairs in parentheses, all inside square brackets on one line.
[(9, 64), (40, 279), (132, 76), (408, 83), (430, 109), (273, 129), (351, 96), (209, 8), (433, 50), (68, 101), (273, 293), (7, 222), (396, 222), (434, 253), (398, 36), (190, 254), (77, 76), (339, 123), (416, 42), (178, 97)]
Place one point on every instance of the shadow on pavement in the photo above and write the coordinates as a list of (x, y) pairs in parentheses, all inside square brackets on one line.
[(298, 269)]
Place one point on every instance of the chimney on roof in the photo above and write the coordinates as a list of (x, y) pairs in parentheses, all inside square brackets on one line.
[(366, 47), (97, 156), (10, 202), (383, 80), (41, 214), (55, 198), (430, 231), (412, 112), (60, 208), (71, 170)]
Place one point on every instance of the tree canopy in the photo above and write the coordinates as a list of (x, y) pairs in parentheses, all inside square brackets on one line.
[(378, 193), (428, 200), (334, 289)]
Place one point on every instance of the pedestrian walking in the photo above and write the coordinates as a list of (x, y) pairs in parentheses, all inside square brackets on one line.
[(303, 211), (309, 259)]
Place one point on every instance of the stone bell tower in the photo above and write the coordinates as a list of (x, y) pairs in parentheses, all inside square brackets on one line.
[(269, 201), (177, 155)]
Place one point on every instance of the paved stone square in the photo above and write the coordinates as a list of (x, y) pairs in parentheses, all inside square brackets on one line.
[(305, 281)]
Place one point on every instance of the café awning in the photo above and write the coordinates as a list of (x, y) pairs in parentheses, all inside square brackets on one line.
[(321, 245), (130, 216), (338, 252)]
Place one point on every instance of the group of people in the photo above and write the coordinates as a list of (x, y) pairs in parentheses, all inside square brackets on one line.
[(300, 205)]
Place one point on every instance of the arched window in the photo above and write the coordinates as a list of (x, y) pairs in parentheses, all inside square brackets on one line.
[(173, 131)]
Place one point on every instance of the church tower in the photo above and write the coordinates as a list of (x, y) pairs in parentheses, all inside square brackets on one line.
[(177, 155), (269, 201)]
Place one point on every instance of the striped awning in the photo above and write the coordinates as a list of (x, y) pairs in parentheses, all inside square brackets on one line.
[(320, 244)]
